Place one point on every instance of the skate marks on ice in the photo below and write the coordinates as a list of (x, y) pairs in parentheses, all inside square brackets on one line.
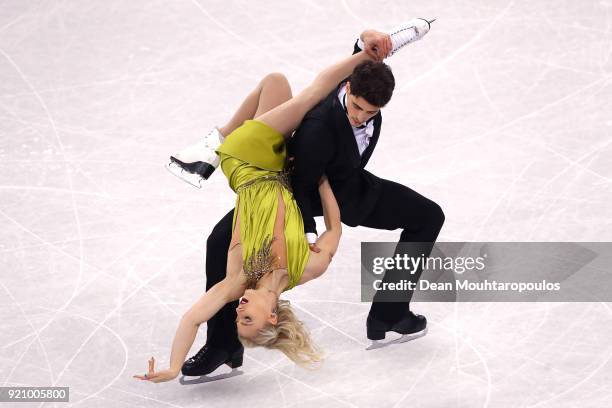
[(377, 344)]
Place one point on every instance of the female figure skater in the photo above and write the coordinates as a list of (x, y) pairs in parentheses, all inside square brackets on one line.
[(268, 253)]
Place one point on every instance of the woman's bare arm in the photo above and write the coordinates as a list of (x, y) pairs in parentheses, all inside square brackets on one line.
[(205, 308), (186, 332)]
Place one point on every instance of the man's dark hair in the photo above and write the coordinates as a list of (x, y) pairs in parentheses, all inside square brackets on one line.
[(373, 81)]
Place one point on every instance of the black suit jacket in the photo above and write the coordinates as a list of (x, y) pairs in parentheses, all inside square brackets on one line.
[(324, 143)]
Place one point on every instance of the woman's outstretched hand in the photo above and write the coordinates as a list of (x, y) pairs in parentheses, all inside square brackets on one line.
[(157, 377), (376, 44)]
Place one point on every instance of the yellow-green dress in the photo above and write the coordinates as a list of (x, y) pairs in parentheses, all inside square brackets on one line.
[(253, 160)]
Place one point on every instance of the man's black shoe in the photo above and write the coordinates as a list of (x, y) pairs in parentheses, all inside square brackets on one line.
[(410, 324), (208, 359)]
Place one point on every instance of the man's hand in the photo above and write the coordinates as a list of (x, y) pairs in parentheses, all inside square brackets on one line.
[(376, 44), (314, 248)]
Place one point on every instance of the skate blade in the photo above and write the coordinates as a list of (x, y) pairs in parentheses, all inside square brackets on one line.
[(184, 380), (377, 344), (411, 336), (193, 179)]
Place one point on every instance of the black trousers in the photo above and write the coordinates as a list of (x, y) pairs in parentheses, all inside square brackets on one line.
[(420, 220), (398, 207)]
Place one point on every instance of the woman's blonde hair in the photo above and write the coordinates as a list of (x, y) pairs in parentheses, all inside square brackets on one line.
[(290, 336)]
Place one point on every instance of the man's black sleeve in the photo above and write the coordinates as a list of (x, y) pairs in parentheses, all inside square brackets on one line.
[(356, 48), (313, 148)]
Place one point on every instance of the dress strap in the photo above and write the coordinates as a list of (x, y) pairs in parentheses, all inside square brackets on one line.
[(234, 246)]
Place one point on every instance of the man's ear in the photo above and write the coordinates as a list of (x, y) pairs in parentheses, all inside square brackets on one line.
[(348, 87)]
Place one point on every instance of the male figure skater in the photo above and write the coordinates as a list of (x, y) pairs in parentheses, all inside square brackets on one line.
[(337, 138)]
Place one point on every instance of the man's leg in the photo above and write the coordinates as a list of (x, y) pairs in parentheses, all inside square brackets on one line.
[(420, 220), (221, 329), (222, 344)]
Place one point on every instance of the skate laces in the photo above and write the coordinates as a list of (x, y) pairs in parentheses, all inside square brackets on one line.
[(200, 353), (402, 36), (211, 140)]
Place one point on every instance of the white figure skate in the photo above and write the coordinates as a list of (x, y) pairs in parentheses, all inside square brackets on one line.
[(196, 163), (408, 32)]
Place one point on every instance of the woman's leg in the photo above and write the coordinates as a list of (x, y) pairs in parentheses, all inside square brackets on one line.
[(271, 91), (197, 162), (286, 117)]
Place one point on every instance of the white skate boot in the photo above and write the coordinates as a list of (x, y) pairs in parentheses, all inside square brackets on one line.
[(196, 163), (408, 32)]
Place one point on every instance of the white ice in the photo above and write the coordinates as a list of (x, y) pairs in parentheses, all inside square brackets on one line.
[(502, 115)]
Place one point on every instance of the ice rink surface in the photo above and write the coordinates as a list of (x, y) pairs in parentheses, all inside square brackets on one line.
[(502, 114)]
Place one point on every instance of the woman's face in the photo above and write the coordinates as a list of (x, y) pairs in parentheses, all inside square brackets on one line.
[(254, 312)]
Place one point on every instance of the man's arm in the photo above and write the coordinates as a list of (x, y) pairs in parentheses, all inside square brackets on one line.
[(306, 184), (314, 146), (313, 149), (328, 241)]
